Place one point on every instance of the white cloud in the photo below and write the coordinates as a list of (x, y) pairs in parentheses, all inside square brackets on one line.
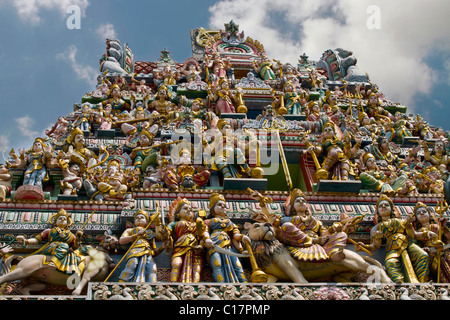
[(28, 10), (84, 72), (393, 56), (4, 144), (24, 125), (106, 31)]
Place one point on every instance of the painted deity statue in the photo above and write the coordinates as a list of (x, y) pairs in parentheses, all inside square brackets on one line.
[(140, 266), (336, 154), (113, 182), (119, 106), (429, 225), (219, 66), (264, 69), (372, 177), (374, 109), (85, 118), (72, 180), (6, 179), (224, 235), (77, 151), (223, 98), (223, 151), (291, 99), (162, 107), (36, 161), (306, 236), (62, 248), (144, 148), (188, 238), (405, 261), (437, 157)]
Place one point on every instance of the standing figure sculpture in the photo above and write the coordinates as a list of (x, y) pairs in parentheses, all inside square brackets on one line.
[(226, 237), (429, 225), (405, 261), (36, 161), (140, 266), (188, 238)]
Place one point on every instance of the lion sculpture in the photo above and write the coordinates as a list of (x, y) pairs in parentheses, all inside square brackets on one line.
[(275, 260)]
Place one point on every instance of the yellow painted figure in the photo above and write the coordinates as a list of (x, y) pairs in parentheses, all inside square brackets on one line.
[(405, 261), (62, 249), (427, 224)]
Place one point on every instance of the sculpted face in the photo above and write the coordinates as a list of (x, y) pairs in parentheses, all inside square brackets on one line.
[(422, 215), (261, 231), (62, 222), (140, 220), (300, 205), (37, 146), (371, 163), (328, 133), (220, 209), (186, 212), (384, 209)]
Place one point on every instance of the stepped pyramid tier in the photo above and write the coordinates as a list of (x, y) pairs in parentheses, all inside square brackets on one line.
[(222, 168)]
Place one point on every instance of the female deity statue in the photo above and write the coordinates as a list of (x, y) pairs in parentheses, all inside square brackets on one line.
[(140, 266), (223, 98), (428, 224), (306, 236), (220, 66), (291, 99), (191, 69), (405, 261), (62, 247), (188, 238), (336, 154), (226, 237), (36, 161)]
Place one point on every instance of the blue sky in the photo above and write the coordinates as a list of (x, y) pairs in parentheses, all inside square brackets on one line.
[(45, 67)]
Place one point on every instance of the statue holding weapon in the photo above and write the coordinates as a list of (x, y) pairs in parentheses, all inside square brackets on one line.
[(140, 266)]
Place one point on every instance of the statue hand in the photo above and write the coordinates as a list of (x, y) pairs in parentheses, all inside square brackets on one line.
[(7, 249), (245, 239), (20, 239), (209, 243), (311, 149)]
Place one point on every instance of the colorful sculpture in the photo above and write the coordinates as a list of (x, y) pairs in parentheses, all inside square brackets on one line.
[(405, 261), (223, 257)]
